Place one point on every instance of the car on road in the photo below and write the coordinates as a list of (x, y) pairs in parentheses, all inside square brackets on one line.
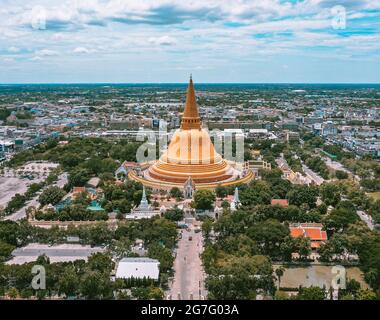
[(190, 238)]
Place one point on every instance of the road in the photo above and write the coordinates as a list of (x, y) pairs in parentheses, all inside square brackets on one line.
[(189, 275), (20, 214), (312, 175), (366, 218)]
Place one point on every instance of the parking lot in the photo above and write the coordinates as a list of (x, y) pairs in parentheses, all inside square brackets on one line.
[(9, 186)]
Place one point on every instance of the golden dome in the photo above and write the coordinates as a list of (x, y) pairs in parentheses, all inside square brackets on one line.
[(190, 152)]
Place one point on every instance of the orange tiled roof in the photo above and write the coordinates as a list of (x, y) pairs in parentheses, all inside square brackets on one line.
[(296, 232), (79, 190), (315, 244), (129, 164), (312, 231)]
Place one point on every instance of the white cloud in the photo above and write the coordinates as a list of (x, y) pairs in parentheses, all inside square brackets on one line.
[(36, 58), (81, 50), (14, 49), (204, 32), (162, 41), (46, 53)]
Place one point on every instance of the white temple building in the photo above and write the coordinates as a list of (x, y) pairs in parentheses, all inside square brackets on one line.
[(144, 210), (235, 203)]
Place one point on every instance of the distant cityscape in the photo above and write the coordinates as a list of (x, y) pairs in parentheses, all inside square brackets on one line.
[(344, 115)]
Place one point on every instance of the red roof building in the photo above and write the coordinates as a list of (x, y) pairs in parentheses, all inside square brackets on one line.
[(313, 231)]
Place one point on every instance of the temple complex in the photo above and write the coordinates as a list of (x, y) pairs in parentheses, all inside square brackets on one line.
[(191, 155)]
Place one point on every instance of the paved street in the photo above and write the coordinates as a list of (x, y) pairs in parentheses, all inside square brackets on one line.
[(189, 276), (20, 214), (312, 175)]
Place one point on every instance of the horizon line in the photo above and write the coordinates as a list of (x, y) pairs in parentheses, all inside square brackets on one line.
[(185, 83)]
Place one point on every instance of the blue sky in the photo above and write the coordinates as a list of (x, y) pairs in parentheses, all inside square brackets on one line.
[(166, 40)]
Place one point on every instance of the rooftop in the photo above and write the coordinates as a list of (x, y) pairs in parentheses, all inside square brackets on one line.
[(56, 253)]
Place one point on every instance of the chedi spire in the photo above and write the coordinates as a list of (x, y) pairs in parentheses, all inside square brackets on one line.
[(190, 118)]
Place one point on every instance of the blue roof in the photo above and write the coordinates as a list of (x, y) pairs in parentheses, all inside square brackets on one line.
[(95, 206)]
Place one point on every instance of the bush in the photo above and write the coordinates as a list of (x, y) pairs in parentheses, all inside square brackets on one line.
[(341, 174), (51, 195)]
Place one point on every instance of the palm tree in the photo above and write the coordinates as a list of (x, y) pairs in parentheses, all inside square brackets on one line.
[(279, 273)]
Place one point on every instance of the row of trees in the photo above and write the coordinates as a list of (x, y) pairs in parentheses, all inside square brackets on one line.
[(74, 212)]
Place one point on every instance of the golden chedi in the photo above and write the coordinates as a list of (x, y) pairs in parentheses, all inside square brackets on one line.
[(190, 155), (190, 152)]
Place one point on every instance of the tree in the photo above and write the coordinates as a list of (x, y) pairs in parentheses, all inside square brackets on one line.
[(374, 211), (82, 198), (269, 235), (100, 262), (174, 214), (341, 175), (77, 178), (240, 278), (221, 192), (147, 293), (225, 204), (330, 194), (162, 254), (281, 295), (12, 293), (302, 194), (339, 219), (51, 195), (302, 245), (206, 228), (5, 249), (176, 193), (96, 285), (318, 165), (9, 232), (121, 248), (279, 273), (322, 208), (311, 293), (17, 202), (204, 199), (68, 282), (257, 192), (365, 294)]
